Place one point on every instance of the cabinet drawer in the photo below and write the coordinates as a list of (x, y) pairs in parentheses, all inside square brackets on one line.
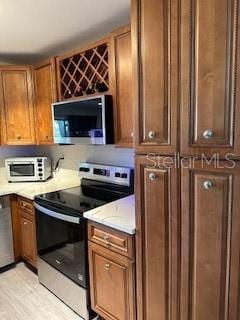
[(26, 206), (115, 240)]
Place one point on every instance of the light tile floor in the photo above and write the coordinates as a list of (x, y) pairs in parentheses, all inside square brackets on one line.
[(23, 298)]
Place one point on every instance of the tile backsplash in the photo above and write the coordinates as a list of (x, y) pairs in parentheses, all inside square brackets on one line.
[(73, 154)]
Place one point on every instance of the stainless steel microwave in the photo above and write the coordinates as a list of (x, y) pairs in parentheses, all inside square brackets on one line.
[(84, 121), (28, 169)]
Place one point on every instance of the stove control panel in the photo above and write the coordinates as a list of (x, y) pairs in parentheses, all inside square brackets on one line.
[(110, 174)]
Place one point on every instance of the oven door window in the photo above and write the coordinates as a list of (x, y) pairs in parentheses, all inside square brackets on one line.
[(63, 245), (22, 170)]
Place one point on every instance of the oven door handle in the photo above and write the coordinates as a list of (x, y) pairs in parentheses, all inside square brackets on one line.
[(57, 215)]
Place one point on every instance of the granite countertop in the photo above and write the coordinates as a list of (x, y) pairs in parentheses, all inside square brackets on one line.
[(119, 214), (63, 179)]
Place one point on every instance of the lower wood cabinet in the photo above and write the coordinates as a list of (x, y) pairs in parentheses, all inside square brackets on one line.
[(210, 242), (24, 230), (28, 238), (16, 228), (187, 240), (156, 241), (112, 282)]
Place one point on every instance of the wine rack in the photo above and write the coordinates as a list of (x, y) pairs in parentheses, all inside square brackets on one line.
[(82, 72)]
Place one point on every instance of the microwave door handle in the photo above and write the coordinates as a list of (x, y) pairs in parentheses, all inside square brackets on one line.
[(57, 215)]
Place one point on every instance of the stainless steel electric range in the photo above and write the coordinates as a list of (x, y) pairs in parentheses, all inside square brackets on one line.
[(62, 231)]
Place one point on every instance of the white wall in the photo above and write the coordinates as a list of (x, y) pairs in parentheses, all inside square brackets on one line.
[(8, 152), (96, 154), (73, 154)]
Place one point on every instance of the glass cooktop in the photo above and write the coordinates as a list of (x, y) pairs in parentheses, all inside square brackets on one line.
[(89, 195)]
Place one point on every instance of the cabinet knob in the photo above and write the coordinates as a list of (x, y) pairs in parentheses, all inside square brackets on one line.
[(18, 137), (25, 223), (132, 134), (152, 176), (151, 134), (46, 137), (107, 266), (207, 184), (207, 134), (105, 237)]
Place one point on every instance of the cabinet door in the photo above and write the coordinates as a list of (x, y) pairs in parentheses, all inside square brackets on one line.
[(16, 228), (210, 74), (45, 95), (155, 57), (28, 238), (123, 76), (156, 241), (210, 242), (112, 284), (17, 110)]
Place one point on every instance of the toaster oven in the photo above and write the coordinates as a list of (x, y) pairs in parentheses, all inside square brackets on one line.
[(28, 169)]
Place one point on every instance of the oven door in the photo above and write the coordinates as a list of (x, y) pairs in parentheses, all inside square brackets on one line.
[(21, 170), (62, 242)]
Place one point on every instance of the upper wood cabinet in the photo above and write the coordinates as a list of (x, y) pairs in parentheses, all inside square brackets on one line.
[(122, 74), (155, 56), (210, 233), (210, 77), (17, 105), (187, 76), (156, 241), (45, 95)]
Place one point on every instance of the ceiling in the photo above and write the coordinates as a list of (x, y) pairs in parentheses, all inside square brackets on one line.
[(31, 30)]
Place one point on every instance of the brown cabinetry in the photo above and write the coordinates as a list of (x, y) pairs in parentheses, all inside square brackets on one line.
[(112, 280), (156, 241), (155, 48), (187, 76), (16, 228), (17, 105), (28, 232), (45, 95), (210, 236), (210, 77), (82, 69), (123, 86)]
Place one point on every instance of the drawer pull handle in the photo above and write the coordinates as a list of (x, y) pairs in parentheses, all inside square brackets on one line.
[(25, 223), (207, 134), (151, 135), (207, 184), (152, 176), (107, 266)]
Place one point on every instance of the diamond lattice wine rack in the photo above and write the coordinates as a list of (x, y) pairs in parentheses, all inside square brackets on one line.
[(84, 73)]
